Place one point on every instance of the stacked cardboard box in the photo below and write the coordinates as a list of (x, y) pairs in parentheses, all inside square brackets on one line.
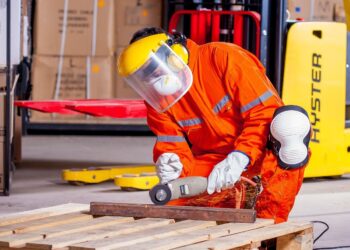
[(130, 16), (80, 78), (73, 52), (76, 45), (316, 10)]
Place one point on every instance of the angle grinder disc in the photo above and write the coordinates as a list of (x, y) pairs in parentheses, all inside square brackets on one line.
[(160, 194)]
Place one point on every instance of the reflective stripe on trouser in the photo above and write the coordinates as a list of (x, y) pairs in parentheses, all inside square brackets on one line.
[(279, 186)]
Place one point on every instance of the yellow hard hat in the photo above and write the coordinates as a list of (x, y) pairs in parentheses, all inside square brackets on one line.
[(136, 54)]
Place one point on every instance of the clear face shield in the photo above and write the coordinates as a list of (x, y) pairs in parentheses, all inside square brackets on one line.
[(162, 80)]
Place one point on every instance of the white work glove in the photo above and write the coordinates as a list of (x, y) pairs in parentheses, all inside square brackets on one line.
[(227, 172), (169, 167)]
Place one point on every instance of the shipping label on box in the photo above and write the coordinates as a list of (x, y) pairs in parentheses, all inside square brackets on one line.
[(132, 15), (71, 78), (74, 28)]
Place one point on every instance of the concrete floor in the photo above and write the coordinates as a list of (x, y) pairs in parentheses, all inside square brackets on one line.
[(37, 181)]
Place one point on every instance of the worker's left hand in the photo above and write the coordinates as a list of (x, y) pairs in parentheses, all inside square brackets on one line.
[(227, 172)]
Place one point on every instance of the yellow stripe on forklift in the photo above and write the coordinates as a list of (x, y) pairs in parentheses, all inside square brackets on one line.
[(101, 174), (143, 181)]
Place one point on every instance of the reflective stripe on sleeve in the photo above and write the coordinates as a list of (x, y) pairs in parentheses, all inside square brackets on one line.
[(257, 101), (190, 122), (221, 104), (170, 138)]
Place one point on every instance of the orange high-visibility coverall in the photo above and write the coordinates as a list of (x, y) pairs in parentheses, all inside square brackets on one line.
[(229, 107)]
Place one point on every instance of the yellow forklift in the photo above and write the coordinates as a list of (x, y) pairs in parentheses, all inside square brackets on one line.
[(316, 76)]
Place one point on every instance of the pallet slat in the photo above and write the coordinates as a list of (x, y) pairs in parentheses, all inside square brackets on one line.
[(43, 223), (42, 213), (181, 240), (253, 236), (101, 233), (174, 212), (17, 240), (144, 236)]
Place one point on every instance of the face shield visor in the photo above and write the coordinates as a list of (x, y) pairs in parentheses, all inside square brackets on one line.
[(162, 80)]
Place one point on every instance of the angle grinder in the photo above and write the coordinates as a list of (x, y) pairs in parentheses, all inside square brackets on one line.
[(161, 194), (186, 187)]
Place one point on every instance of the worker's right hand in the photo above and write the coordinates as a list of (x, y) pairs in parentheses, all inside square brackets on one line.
[(169, 167), (227, 172)]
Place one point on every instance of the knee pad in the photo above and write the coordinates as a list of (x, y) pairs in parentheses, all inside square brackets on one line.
[(289, 137)]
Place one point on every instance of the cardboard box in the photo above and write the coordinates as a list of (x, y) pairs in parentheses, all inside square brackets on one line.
[(132, 15), (339, 11), (80, 28), (122, 89), (311, 10), (299, 9), (80, 78), (323, 10), (2, 80), (15, 32)]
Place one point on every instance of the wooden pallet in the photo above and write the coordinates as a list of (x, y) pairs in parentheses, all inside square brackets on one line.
[(69, 226)]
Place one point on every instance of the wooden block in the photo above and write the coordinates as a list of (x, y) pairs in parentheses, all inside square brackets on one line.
[(42, 213), (101, 233), (196, 236), (144, 237), (174, 212), (300, 241), (18, 240)]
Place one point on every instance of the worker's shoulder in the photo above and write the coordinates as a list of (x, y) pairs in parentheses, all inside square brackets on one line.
[(224, 49), (224, 46)]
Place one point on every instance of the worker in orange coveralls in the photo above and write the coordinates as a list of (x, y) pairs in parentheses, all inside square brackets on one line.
[(213, 111)]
